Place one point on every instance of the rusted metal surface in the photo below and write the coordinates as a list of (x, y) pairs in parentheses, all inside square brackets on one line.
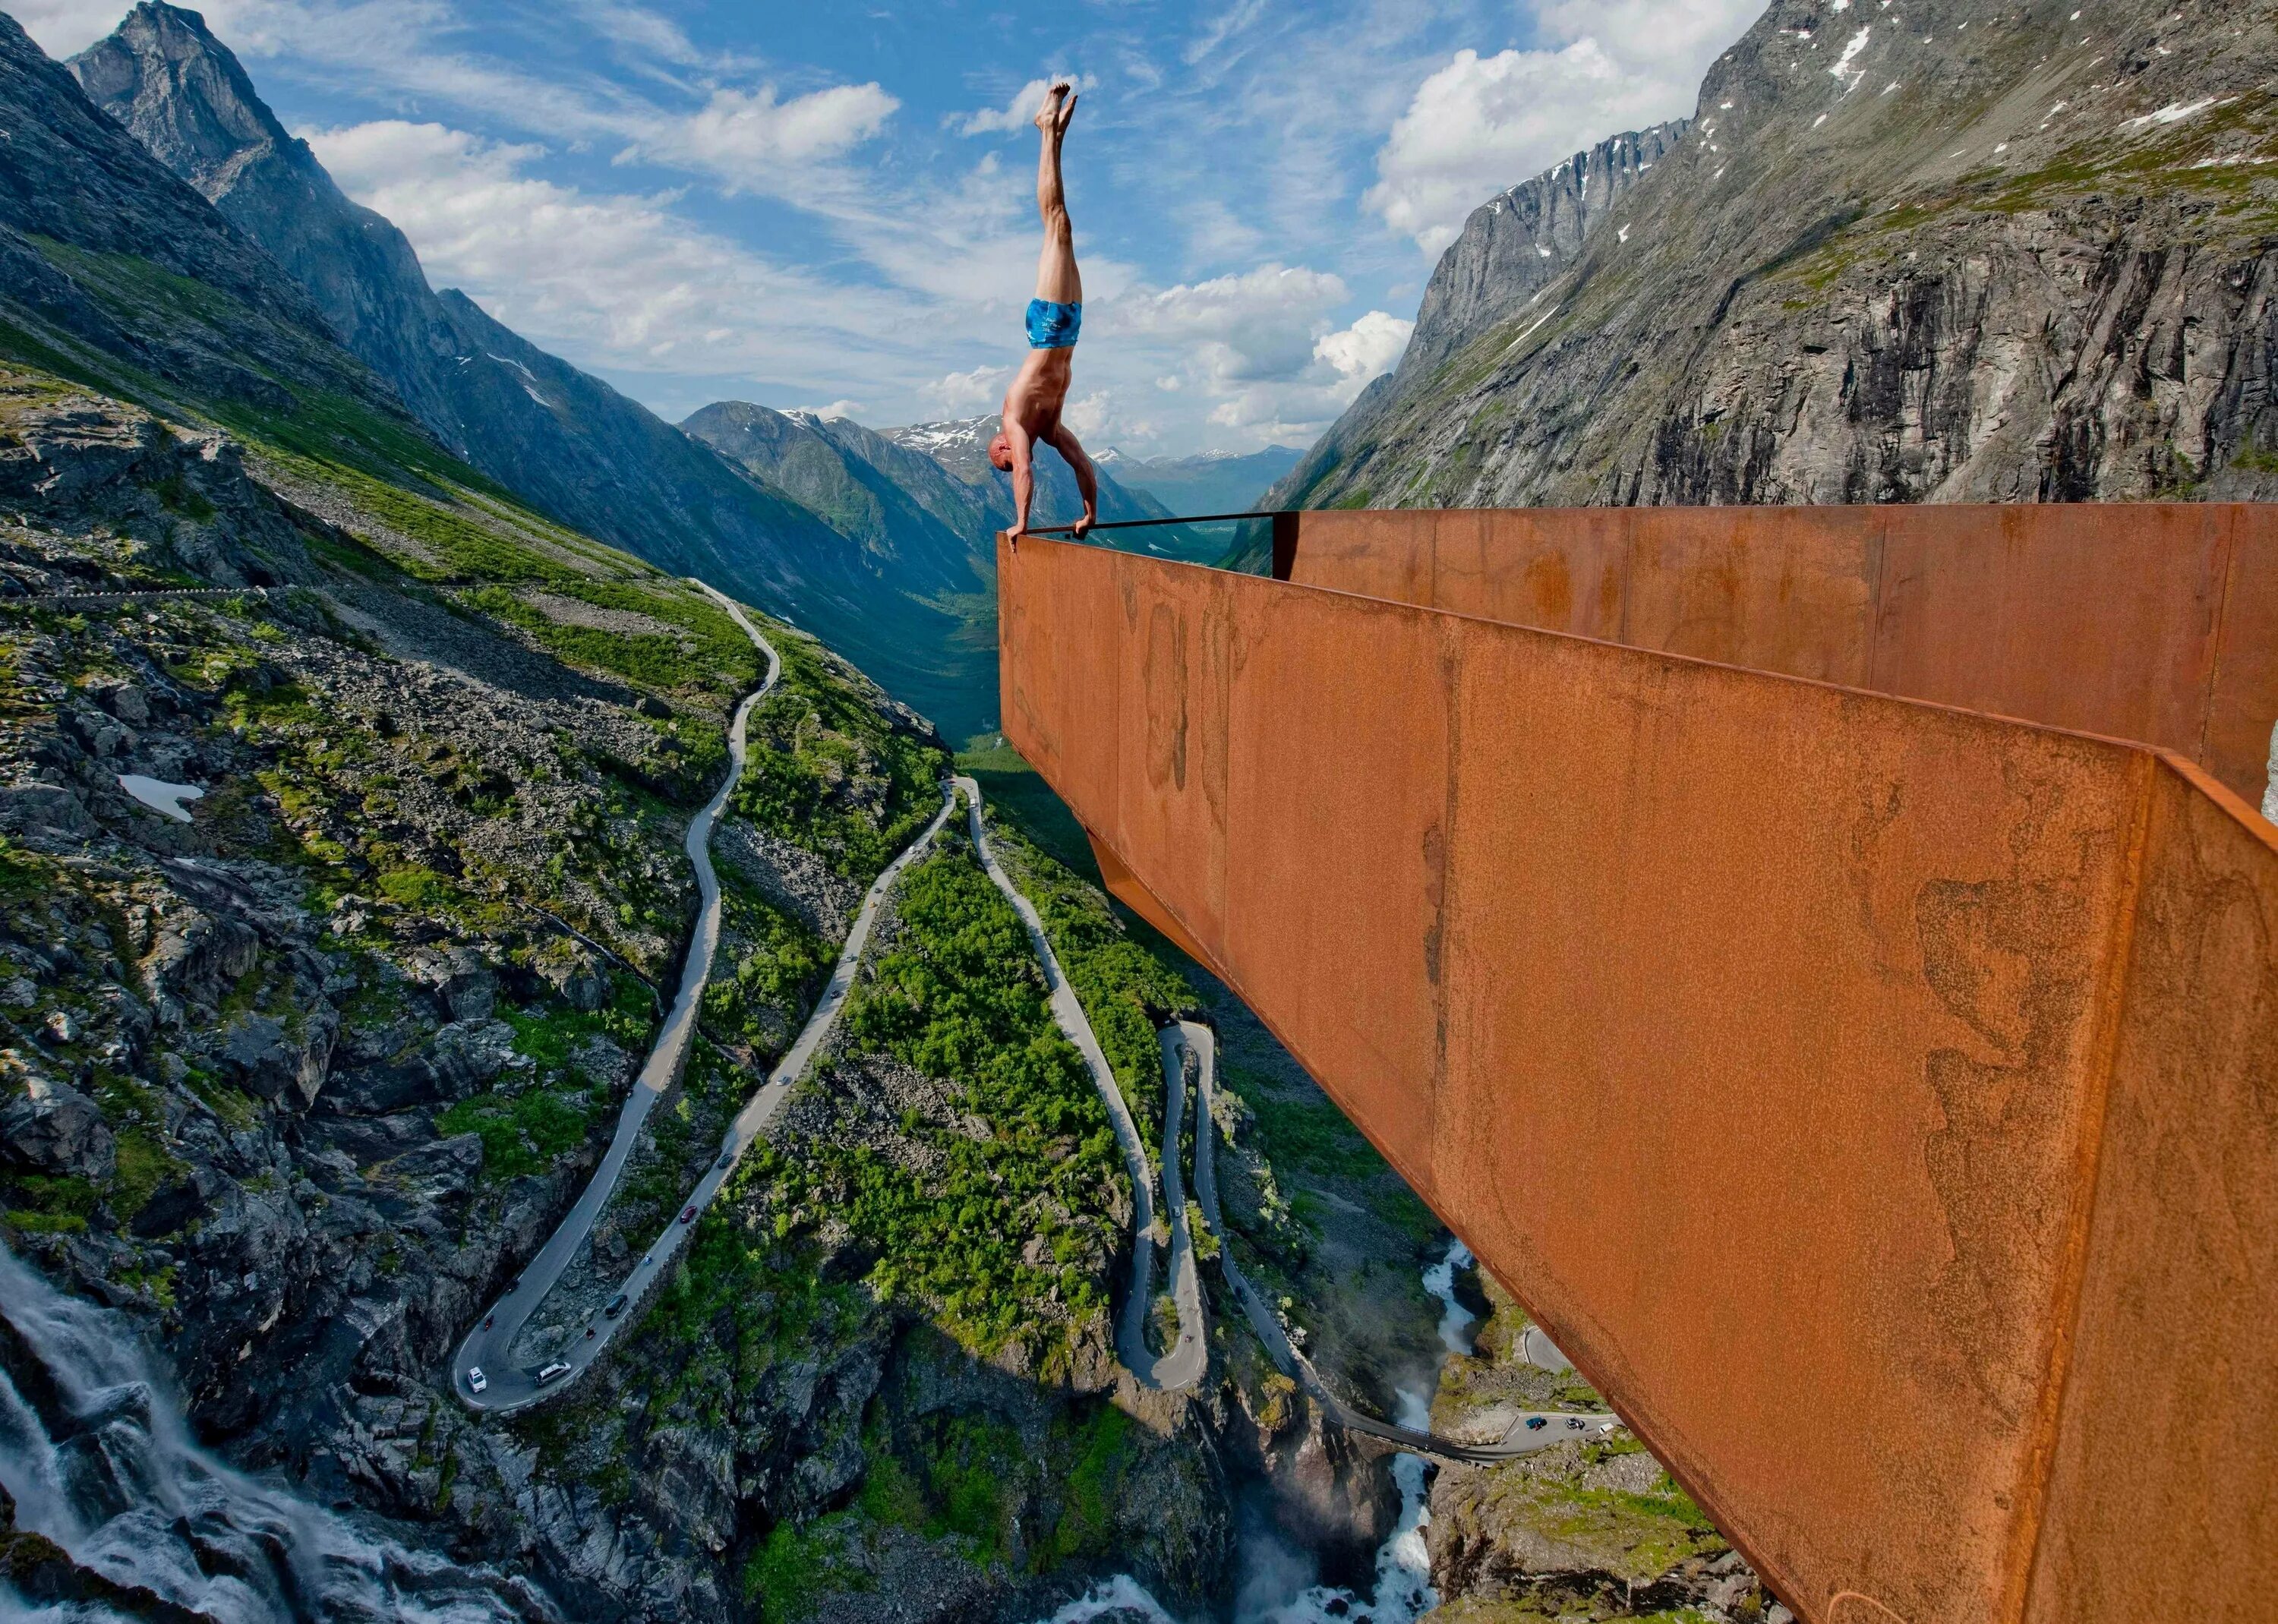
[(1878, 1102), (2153, 622)]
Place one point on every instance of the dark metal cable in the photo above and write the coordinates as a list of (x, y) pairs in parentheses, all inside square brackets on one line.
[(1133, 524)]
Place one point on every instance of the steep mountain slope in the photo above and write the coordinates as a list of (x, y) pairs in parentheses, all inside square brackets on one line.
[(295, 1076), (960, 446), (901, 508), (923, 505), (1216, 481), (559, 438), (106, 253), (1911, 252)]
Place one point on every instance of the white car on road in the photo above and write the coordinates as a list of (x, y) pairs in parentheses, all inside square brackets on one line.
[(476, 1380)]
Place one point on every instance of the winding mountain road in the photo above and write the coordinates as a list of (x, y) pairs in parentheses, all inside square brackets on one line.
[(508, 1387), (1184, 1364), (1181, 1040)]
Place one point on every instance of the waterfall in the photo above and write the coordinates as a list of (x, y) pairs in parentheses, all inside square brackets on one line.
[(101, 1460), (1271, 1594)]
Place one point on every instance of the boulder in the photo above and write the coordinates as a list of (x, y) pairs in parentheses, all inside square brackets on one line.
[(458, 976), (123, 700), (268, 1058), (377, 1090), (444, 1167), (54, 1128), (102, 736), (468, 1055), (196, 959), (25, 807), (574, 973)]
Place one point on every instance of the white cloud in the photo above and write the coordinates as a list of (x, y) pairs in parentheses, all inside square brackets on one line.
[(1481, 124), (639, 30), (1019, 113), (1370, 345), (749, 138), (967, 395), (1260, 348), (66, 27), (1263, 323), (1091, 414), (837, 408), (615, 280)]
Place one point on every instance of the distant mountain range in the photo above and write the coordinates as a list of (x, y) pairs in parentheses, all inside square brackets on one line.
[(1216, 481), (2009, 255), (883, 549)]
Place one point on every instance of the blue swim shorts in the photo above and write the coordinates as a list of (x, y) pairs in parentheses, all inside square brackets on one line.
[(1052, 325)]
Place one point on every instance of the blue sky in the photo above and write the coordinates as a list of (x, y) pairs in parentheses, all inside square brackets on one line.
[(831, 205)]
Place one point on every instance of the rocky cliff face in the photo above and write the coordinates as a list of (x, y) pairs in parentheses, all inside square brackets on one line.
[(105, 252), (1521, 241), (190, 104), (1912, 253)]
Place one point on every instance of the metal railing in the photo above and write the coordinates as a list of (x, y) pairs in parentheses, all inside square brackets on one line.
[(1284, 522)]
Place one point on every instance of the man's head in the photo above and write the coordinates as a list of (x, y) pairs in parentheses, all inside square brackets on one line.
[(1000, 451)]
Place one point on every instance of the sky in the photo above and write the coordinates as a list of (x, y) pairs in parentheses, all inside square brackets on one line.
[(831, 205)]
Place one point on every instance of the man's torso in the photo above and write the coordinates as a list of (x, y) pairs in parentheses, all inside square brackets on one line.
[(1039, 389)]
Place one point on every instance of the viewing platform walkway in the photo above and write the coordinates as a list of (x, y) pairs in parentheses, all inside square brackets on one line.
[(1823, 961)]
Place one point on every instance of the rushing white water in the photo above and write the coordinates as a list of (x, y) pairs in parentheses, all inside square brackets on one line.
[(1276, 1589), (1455, 1319), (100, 1461), (1118, 1599)]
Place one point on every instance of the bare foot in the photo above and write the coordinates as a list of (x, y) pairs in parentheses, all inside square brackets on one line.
[(1049, 116), (1068, 112)]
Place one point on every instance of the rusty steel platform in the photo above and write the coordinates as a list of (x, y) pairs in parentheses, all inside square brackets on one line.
[(1871, 1084)]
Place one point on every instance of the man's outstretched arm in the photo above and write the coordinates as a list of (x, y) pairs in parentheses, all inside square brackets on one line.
[(1087, 480), (1024, 473)]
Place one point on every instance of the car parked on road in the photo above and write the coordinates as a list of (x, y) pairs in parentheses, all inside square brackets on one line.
[(553, 1372), (476, 1380), (616, 1307), (689, 1217), (1535, 1424)]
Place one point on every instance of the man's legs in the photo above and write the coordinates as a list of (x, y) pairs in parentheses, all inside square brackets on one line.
[(1057, 278)]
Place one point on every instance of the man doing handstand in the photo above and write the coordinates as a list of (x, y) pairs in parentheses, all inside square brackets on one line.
[(1039, 389)]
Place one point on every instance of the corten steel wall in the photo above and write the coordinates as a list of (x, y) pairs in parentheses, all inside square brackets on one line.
[(2155, 622), (1879, 1101)]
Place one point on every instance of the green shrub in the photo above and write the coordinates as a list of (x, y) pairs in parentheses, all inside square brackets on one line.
[(523, 1134), (816, 739), (960, 997)]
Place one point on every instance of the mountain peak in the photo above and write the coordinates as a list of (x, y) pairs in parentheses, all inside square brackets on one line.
[(183, 92)]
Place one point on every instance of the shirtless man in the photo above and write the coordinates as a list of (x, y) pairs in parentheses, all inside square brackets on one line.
[(1039, 389)]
